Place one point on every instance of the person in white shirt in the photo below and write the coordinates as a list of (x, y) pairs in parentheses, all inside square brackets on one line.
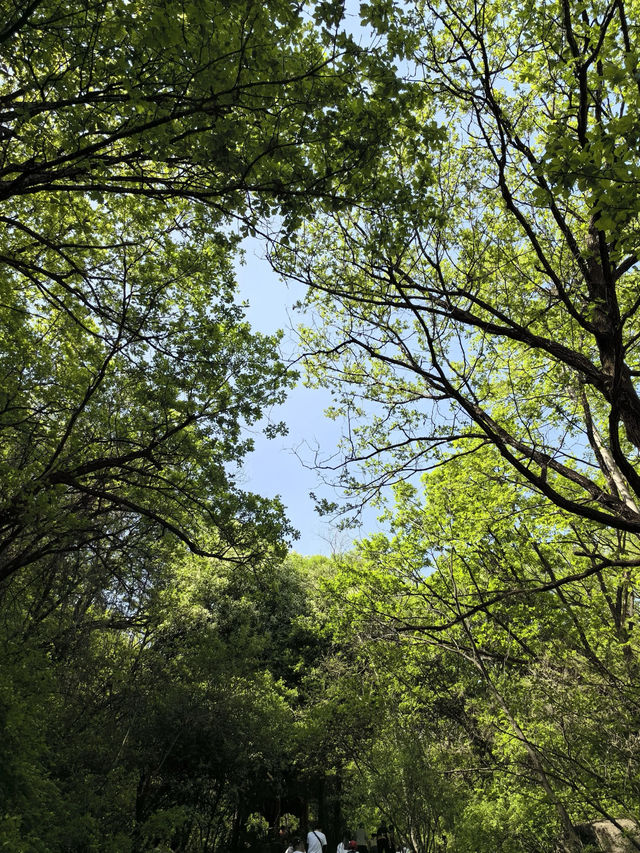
[(343, 847), (316, 841)]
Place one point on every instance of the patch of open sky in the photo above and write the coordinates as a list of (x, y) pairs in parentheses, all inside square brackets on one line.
[(285, 465), (288, 465)]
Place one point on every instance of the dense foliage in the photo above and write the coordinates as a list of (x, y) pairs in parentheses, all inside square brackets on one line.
[(511, 705), (479, 320), (133, 135), (170, 679), (489, 296), (148, 688), (167, 731)]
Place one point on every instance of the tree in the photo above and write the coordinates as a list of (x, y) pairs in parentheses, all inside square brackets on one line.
[(133, 136), (480, 313), (512, 673), (138, 143), (203, 101), (114, 434), (170, 726), (487, 294)]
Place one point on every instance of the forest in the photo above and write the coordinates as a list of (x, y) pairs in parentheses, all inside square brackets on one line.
[(456, 185)]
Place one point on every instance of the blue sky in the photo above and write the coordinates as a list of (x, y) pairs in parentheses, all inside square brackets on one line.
[(277, 466)]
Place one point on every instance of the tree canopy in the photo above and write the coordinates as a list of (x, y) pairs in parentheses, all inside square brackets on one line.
[(489, 295), (133, 137), (139, 143), (460, 195), (478, 324), (508, 675)]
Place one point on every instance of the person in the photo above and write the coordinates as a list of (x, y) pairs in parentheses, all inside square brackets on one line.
[(284, 842), (343, 847), (392, 839), (316, 841), (382, 839), (362, 839), (296, 846)]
